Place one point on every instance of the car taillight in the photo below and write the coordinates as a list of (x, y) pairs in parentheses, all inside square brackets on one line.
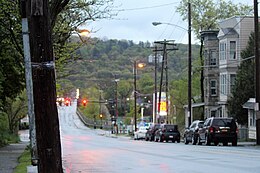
[(211, 129)]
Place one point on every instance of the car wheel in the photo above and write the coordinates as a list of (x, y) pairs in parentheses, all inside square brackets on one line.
[(216, 143), (185, 140), (225, 143), (198, 141), (160, 139), (234, 142), (207, 140), (178, 141), (193, 140)]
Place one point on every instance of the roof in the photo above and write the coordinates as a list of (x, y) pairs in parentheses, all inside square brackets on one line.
[(227, 31), (194, 105), (250, 104)]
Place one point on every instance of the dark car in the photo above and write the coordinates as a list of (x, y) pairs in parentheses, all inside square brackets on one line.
[(191, 133), (216, 130), (168, 132), (151, 131)]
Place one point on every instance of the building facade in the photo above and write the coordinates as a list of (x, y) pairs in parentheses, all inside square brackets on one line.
[(220, 73), (211, 72)]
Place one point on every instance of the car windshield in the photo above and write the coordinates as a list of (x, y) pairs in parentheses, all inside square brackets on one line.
[(142, 128), (171, 127), (200, 124), (224, 123), (157, 126)]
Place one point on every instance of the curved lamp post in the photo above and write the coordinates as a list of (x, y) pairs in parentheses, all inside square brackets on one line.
[(189, 60), (136, 65)]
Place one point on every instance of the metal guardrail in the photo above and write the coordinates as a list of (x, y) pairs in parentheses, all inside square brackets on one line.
[(92, 124)]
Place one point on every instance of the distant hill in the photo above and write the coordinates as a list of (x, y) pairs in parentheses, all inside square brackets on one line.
[(100, 61)]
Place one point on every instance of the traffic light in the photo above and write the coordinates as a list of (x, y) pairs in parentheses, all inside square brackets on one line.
[(84, 102), (67, 102)]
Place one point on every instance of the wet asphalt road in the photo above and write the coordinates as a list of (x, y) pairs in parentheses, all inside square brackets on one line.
[(95, 151)]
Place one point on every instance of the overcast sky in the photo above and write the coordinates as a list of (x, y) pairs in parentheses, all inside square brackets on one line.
[(134, 22)]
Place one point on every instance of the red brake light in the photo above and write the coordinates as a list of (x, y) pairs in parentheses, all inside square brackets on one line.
[(211, 129)]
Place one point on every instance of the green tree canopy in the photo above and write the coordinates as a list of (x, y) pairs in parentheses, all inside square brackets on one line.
[(244, 87), (206, 13)]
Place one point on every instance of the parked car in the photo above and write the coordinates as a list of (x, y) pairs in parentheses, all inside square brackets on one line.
[(216, 129), (151, 131), (167, 132), (140, 133), (191, 133), (24, 123)]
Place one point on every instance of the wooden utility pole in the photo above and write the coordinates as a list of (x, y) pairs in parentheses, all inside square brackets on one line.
[(44, 88), (257, 76), (164, 67), (155, 84), (189, 65)]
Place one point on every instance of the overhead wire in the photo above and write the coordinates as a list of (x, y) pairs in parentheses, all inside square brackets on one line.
[(145, 8)]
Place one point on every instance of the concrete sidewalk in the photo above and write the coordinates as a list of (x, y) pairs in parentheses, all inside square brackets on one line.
[(9, 156)]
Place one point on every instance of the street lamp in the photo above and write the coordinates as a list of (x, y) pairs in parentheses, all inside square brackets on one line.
[(136, 65), (189, 57), (165, 23), (116, 104), (101, 117)]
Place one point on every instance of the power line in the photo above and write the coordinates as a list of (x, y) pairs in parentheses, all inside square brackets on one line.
[(145, 8)]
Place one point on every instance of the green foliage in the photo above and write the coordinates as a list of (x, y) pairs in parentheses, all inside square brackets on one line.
[(7, 138), (24, 161), (92, 108), (244, 85), (11, 61), (66, 18)]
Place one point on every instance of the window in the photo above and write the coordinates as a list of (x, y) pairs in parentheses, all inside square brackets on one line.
[(223, 84), (232, 81), (213, 87), (213, 113), (232, 52), (252, 118), (222, 51), (213, 58)]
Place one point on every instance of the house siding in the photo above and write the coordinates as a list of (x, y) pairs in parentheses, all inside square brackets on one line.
[(236, 30)]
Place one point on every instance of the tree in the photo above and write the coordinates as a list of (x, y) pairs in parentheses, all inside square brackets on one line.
[(16, 109), (42, 17), (124, 90), (66, 18), (205, 15), (11, 60), (244, 87)]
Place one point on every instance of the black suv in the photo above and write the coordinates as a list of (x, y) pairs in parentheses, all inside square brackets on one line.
[(167, 132), (218, 130), (149, 136), (191, 133)]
